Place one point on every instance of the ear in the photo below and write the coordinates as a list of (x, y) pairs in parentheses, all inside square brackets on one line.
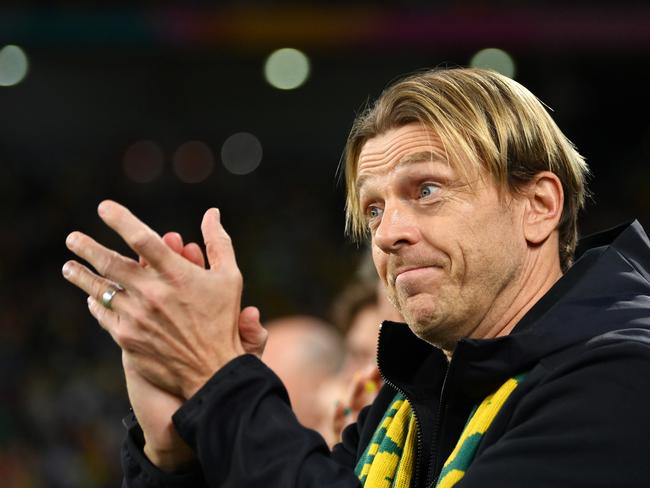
[(545, 200)]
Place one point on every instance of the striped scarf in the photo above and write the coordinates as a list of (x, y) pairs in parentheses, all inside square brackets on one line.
[(388, 460)]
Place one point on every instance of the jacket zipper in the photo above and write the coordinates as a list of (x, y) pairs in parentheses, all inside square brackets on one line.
[(418, 458), (436, 431)]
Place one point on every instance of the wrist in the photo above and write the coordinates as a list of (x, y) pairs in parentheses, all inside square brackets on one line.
[(193, 384), (169, 460)]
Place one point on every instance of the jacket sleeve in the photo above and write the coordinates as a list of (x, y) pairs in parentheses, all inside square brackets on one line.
[(139, 472), (586, 424), (242, 428)]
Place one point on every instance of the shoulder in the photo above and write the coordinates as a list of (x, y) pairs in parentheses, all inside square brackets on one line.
[(615, 351), (604, 376)]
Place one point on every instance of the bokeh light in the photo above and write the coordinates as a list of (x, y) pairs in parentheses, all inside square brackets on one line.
[(241, 153), (143, 161), (13, 65), (494, 59), (193, 162), (286, 68)]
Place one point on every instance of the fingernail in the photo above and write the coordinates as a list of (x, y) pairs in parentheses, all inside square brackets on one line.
[(71, 239), (218, 214), (102, 208), (67, 270)]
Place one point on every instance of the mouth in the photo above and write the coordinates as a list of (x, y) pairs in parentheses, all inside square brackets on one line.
[(412, 272)]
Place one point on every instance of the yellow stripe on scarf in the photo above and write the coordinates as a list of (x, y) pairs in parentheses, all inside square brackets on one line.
[(479, 422), (388, 461)]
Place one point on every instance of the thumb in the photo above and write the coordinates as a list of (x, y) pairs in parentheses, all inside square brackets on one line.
[(218, 245), (251, 332)]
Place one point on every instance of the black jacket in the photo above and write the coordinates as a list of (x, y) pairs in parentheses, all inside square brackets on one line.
[(581, 418)]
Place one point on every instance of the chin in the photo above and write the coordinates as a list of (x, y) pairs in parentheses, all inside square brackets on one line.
[(422, 320), (431, 325)]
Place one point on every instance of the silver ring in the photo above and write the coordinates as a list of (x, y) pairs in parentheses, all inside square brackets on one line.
[(108, 295)]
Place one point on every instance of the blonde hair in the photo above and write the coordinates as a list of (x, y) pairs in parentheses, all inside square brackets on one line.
[(483, 118)]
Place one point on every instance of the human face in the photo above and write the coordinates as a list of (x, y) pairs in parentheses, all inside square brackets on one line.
[(447, 244)]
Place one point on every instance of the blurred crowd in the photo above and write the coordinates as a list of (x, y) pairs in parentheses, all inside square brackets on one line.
[(60, 414), (63, 132)]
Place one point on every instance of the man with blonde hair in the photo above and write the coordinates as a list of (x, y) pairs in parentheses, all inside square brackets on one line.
[(525, 355)]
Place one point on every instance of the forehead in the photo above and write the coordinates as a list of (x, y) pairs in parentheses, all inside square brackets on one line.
[(381, 153)]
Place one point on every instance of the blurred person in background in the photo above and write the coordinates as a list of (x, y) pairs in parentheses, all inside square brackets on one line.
[(524, 357), (358, 312), (306, 353), (355, 313)]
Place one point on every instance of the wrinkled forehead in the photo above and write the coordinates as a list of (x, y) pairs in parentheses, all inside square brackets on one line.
[(399, 146), (396, 143)]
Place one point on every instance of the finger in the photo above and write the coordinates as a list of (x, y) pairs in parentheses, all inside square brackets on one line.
[(95, 286), (218, 245), (174, 241), (192, 252), (106, 318), (109, 320), (139, 237), (107, 262)]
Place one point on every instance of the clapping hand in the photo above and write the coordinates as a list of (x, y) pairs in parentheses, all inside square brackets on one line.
[(163, 316)]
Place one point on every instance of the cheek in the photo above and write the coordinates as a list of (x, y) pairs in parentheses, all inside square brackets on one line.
[(380, 259), (496, 249)]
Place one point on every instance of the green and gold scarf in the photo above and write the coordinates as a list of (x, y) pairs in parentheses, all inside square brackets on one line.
[(388, 461)]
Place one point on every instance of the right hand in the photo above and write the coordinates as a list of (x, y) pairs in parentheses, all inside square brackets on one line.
[(154, 407)]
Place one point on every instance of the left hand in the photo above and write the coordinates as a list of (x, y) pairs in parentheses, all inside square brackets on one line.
[(176, 321)]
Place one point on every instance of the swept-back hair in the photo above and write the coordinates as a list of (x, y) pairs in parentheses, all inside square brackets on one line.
[(483, 119)]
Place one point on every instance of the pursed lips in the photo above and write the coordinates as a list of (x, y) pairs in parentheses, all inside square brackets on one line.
[(406, 269)]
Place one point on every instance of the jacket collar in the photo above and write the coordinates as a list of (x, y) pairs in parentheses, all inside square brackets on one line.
[(611, 274)]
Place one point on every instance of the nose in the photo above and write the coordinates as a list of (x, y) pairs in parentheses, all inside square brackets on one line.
[(396, 230)]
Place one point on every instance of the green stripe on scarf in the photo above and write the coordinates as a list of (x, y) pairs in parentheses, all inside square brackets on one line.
[(388, 460)]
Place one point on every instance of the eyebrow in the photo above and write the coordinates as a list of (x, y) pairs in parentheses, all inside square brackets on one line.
[(418, 157)]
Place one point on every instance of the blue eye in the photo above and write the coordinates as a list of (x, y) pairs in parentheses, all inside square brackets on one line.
[(428, 190), (374, 212)]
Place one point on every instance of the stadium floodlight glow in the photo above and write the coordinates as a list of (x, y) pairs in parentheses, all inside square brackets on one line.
[(241, 153), (494, 59), (143, 161), (13, 65), (286, 68), (193, 162)]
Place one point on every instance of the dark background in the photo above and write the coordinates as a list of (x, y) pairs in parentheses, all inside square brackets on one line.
[(101, 78)]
